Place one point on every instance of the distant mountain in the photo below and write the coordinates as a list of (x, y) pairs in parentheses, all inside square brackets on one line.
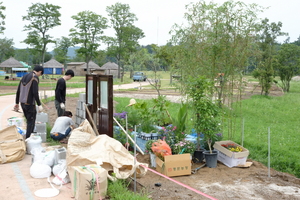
[(72, 52)]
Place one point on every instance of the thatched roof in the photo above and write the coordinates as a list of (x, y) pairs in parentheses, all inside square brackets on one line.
[(53, 64), (110, 65), (92, 65), (75, 63), (10, 63)]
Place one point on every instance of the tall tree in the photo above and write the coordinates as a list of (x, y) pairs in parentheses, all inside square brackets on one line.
[(127, 35), (287, 64), (61, 49), (6, 49), (2, 17), (42, 18), (217, 39), (88, 32), (264, 71)]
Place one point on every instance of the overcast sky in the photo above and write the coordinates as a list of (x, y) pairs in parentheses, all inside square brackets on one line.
[(155, 17)]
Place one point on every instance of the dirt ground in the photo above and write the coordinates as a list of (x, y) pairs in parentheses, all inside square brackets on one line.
[(221, 182)]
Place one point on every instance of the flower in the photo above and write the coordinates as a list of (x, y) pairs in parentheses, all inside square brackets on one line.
[(171, 134), (121, 118), (184, 146), (232, 147)]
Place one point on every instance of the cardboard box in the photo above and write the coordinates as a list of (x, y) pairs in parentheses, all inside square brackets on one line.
[(174, 165), (229, 158), (15, 121), (84, 183)]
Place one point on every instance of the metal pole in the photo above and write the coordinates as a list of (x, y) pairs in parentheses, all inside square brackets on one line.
[(269, 149), (243, 125), (135, 162)]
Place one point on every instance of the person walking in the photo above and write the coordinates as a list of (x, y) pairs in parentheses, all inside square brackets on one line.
[(27, 94), (62, 127), (60, 92)]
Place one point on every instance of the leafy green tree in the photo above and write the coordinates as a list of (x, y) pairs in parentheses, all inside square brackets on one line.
[(88, 32), (42, 18), (264, 71), (6, 49), (61, 49), (2, 17), (287, 64), (127, 35), (216, 39)]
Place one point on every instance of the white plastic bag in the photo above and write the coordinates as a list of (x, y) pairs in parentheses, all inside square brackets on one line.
[(45, 157), (40, 170), (59, 167)]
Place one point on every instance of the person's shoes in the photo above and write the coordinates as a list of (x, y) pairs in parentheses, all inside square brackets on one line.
[(64, 141)]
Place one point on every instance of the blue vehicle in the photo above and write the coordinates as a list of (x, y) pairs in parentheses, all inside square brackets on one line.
[(139, 76)]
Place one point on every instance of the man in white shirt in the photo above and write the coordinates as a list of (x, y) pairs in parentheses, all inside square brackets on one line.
[(62, 127)]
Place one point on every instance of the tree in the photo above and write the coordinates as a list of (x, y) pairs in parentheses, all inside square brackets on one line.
[(88, 32), (287, 64), (216, 39), (42, 18), (266, 41), (6, 49), (127, 35), (61, 49), (2, 17)]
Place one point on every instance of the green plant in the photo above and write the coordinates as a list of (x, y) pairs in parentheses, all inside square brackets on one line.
[(148, 146), (180, 122), (184, 146), (118, 190), (206, 112)]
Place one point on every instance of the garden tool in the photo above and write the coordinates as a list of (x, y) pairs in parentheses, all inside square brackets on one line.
[(195, 170)]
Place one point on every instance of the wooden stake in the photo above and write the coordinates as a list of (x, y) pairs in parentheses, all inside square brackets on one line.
[(93, 123)]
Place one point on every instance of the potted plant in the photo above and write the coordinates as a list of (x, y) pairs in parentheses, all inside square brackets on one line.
[(148, 149), (206, 114), (184, 146)]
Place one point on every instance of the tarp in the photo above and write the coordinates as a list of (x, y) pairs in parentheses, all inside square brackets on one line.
[(85, 148), (12, 145)]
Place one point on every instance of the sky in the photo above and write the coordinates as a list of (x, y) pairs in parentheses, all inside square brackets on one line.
[(155, 17)]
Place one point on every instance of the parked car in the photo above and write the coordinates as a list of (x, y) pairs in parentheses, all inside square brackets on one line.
[(139, 76)]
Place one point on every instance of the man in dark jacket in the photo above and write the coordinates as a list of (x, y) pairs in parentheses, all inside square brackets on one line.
[(60, 92), (27, 94)]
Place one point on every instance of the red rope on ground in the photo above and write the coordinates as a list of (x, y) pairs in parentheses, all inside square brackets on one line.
[(179, 183)]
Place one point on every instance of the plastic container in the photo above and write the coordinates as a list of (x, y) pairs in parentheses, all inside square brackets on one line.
[(34, 141)]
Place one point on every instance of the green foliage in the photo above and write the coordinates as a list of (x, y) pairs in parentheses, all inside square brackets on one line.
[(266, 40), (184, 146), (287, 64), (61, 49), (117, 190), (42, 18), (88, 32), (127, 35), (206, 112), (2, 17), (6, 47), (180, 121), (148, 146), (159, 111)]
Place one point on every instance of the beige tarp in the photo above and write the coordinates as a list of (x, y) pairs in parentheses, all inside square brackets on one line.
[(85, 148), (12, 145)]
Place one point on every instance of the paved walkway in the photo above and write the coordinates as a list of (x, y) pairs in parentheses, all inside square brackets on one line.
[(16, 181)]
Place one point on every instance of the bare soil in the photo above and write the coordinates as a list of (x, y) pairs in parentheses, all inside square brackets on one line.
[(221, 182)]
